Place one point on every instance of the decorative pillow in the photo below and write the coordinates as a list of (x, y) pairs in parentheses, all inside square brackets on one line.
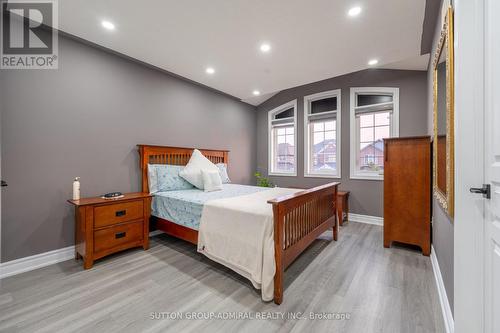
[(165, 177), (192, 171), (169, 179), (211, 181), (223, 173), (152, 178)]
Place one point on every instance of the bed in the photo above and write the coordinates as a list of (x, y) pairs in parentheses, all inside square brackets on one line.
[(297, 219)]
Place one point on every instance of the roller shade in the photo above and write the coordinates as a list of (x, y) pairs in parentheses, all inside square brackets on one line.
[(322, 117), (386, 107), (371, 99), (282, 122)]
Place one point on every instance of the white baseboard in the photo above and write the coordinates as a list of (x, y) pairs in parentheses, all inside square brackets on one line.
[(449, 323), (40, 260), (30, 263), (366, 219)]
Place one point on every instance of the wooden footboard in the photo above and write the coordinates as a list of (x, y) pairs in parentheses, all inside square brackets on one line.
[(298, 220)]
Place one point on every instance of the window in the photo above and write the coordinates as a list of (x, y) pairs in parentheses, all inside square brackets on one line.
[(283, 140), (322, 134), (374, 116)]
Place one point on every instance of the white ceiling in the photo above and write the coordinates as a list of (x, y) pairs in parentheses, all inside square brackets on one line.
[(311, 39)]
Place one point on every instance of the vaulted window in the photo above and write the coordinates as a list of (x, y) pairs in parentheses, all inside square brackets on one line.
[(374, 116), (282, 142), (322, 134)]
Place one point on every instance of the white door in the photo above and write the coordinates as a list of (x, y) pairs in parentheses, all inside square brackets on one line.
[(492, 166)]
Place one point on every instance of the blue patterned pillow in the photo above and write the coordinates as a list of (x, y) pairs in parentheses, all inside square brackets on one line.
[(152, 178), (223, 173), (165, 177)]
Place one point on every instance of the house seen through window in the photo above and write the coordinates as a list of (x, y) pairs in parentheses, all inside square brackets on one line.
[(322, 134), (374, 116), (282, 140), (373, 129)]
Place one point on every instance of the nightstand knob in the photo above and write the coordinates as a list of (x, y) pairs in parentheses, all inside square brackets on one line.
[(120, 213), (120, 234)]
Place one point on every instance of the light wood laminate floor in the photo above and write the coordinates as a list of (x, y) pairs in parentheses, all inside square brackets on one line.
[(382, 290)]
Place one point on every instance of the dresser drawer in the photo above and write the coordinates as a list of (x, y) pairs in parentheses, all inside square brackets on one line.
[(118, 213), (118, 236)]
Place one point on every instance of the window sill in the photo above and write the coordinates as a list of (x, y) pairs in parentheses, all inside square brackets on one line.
[(367, 176), (282, 174), (315, 175)]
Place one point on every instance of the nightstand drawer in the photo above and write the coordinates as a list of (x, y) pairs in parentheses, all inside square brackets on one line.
[(117, 213), (118, 236)]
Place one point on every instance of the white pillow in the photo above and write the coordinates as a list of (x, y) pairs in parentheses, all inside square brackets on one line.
[(192, 171), (211, 181)]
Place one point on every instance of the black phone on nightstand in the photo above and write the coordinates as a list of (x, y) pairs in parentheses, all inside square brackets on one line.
[(112, 195)]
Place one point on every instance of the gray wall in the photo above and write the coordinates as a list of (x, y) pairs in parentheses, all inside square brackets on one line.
[(442, 224), (85, 120), (366, 195)]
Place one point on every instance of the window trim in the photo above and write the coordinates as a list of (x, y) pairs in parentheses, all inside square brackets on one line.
[(307, 137), (270, 114), (356, 174)]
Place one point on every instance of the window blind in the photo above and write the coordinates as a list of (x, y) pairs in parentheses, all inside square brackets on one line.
[(322, 117), (374, 109), (282, 122), (370, 99)]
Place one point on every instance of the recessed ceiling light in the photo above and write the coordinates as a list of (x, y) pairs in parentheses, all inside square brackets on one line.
[(265, 47), (210, 70), (354, 11), (256, 93), (108, 25), (372, 62)]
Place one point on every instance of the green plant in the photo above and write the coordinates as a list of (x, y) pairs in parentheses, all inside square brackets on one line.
[(262, 181)]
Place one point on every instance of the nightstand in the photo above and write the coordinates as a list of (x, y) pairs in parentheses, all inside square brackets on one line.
[(106, 226), (342, 206)]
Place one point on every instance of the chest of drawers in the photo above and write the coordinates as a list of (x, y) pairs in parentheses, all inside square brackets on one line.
[(407, 192)]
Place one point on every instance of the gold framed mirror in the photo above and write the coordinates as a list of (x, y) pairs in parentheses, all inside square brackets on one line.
[(443, 166)]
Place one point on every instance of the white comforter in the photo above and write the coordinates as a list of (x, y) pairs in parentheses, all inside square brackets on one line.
[(239, 233)]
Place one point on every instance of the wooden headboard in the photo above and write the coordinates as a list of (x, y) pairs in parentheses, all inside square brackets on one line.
[(173, 155)]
